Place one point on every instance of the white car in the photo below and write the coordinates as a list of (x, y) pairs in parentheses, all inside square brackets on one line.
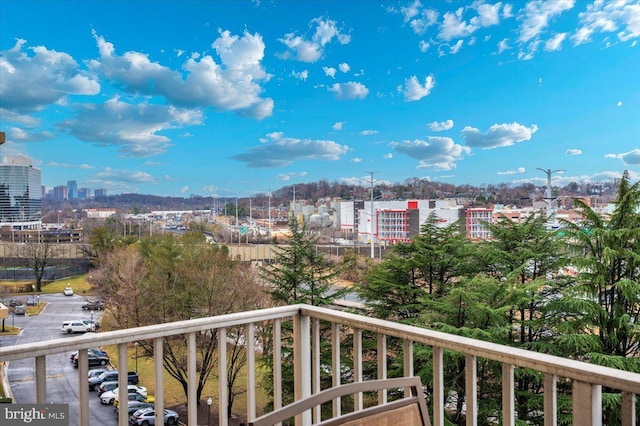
[(68, 291), (76, 326), (107, 398)]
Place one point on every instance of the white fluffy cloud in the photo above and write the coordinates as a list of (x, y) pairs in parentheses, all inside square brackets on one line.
[(537, 14), (344, 67), (329, 71), (438, 153), (453, 26), (555, 42), (629, 158), (129, 176), (234, 84), (31, 82), (283, 151), (439, 126), (573, 152), (519, 170), (498, 135), (302, 75), (368, 132), (310, 50), (619, 17), (134, 128), (338, 125), (350, 90), (414, 91)]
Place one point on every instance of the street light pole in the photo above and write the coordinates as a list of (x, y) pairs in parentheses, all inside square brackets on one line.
[(209, 402)]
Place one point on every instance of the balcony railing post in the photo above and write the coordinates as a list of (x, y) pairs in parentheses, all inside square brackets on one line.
[(471, 390), (302, 364), (550, 400), (123, 376), (336, 366), (192, 386), (277, 364), (438, 387), (628, 405), (223, 418), (407, 350), (158, 355), (508, 395), (357, 366), (83, 386), (315, 364), (382, 366), (41, 379), (251, 372), (587, 404)]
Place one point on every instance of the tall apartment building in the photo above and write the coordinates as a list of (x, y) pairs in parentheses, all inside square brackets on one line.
[(60, 193), (72, 189), (84, 193), (20, 193), (477, 218), (100, 192)]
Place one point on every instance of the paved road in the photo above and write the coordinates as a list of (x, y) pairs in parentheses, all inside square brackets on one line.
[(62, 377)]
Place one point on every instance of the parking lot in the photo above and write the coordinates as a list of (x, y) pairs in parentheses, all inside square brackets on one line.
[(62, 377)]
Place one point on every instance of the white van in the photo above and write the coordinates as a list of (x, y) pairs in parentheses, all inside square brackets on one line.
[(76, 326)]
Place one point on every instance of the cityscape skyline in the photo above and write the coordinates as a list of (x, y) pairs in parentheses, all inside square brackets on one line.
[(205, 98)]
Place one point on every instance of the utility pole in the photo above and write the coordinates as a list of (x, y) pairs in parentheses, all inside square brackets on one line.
[(373, 254)]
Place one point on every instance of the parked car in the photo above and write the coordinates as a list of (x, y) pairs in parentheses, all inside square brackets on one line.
[(98, 351), (94, 305), (135, 406), (68, 291), (135, 397), (20, 310), (75, 326), (94, 382), (107, 398), (33, 300), (93, 359), (91, 325), (96, 371), (106, 387), (146, 416)]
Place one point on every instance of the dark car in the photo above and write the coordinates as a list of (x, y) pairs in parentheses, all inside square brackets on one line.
[(94, 305), (94, 382), (97, 351), (93, 359)]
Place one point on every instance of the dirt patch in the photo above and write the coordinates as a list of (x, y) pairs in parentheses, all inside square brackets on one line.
[(203, 415)]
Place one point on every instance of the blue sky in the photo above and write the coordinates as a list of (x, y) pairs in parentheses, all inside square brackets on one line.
[(221, 97)]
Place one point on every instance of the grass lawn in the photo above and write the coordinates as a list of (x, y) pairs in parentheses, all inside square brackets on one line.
[(8, 330), (79, 283)]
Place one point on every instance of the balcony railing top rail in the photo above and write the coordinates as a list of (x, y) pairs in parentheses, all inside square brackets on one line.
[(588, 378)]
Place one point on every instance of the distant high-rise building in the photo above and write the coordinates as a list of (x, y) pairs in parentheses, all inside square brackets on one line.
[(60, 192), (72, 189), (84, 193), (20, 193), (100, 192)]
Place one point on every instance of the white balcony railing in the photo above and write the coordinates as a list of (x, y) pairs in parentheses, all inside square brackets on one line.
[(587, 379)]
